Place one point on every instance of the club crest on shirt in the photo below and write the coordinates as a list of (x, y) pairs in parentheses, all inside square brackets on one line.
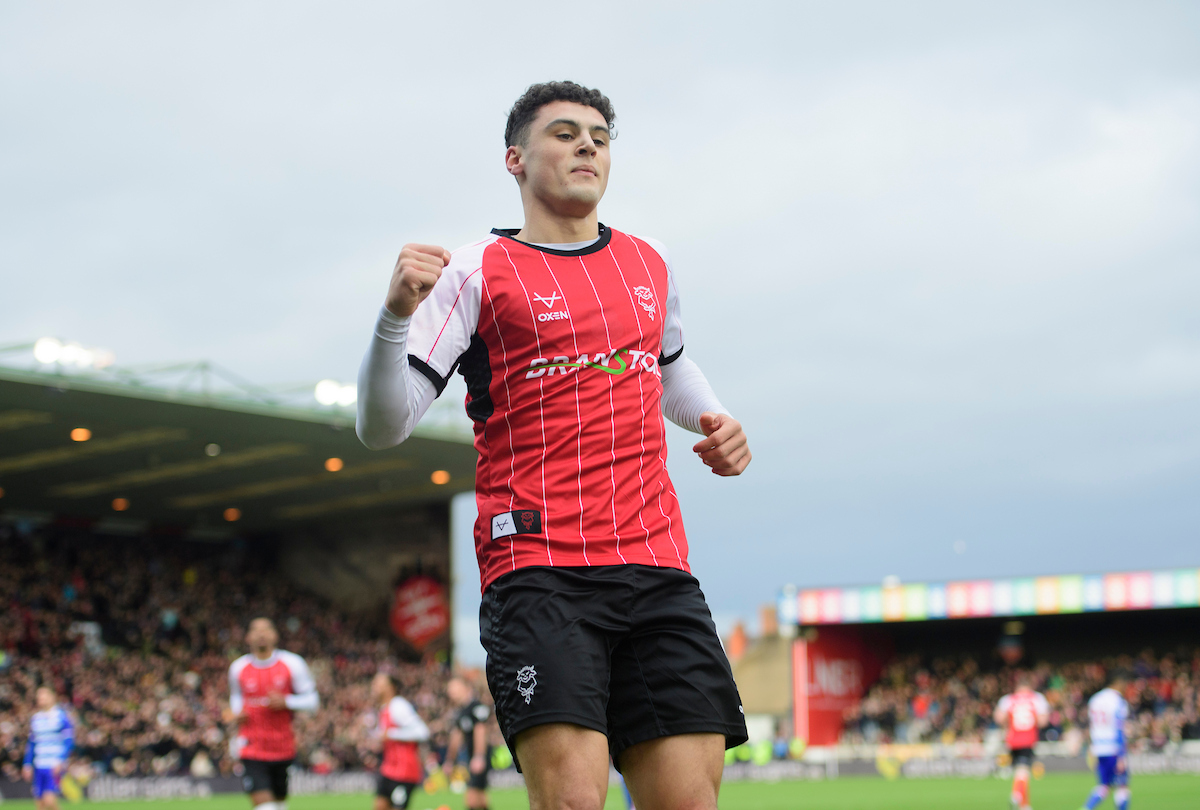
[(526, 681), (646, 299)]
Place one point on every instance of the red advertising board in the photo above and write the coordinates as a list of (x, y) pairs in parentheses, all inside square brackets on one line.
[(830, 673), (420, 612)]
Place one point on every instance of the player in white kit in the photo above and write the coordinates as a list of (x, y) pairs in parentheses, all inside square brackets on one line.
[(1107, 713)]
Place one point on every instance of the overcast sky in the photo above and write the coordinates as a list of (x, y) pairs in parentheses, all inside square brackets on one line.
[(941, 259)]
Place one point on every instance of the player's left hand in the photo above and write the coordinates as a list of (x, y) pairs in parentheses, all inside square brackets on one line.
[(276, 701), (477, 764), (724, 447), (27, 773), (1120, 764)]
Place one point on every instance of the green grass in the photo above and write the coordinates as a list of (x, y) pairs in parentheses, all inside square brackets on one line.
[(1055, 792)]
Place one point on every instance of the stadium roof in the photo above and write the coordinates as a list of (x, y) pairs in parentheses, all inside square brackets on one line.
[(179, 457), (1020, 596)]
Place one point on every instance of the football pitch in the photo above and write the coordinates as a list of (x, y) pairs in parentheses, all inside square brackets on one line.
[(1055, 792)]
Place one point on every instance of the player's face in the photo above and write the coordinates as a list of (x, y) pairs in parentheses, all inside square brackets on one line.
[(566, 159), (458, 692), (380, 688), (44, 699), (261, 635)]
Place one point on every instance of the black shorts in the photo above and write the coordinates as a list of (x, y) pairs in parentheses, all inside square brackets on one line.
[(263, 775), (398, 793), (478, 781), (628, 650), (1021, 756)]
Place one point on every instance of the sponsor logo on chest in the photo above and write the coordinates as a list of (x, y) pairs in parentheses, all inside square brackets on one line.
[(550, 302), (615, 362)]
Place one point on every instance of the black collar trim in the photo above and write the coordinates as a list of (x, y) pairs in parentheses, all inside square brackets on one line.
[(599, 244)]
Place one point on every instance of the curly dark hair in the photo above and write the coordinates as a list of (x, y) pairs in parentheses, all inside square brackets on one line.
[(539, 95)]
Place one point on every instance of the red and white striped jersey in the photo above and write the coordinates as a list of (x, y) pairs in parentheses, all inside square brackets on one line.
[(402, 730), (266, 733), (561, 352), (1024, 710)]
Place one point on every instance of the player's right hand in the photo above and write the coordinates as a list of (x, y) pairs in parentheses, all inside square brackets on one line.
[(27, 773), (417, 270)]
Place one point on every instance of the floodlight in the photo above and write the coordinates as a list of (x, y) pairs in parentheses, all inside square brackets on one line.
[(348, 395), (47, 350), (328, 391)]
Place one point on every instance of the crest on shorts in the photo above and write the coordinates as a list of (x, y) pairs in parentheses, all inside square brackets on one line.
[(526, 680), (646, 299)]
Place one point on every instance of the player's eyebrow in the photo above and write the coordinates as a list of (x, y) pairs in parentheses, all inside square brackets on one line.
[(569, 122)]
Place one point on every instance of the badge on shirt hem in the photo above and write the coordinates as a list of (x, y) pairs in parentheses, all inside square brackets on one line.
[(519, 521)]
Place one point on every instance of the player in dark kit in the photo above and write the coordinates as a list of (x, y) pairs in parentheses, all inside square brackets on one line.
[(569, 336), (470, 730)]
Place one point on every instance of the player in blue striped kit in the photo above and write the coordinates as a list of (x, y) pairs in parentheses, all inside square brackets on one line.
[(1107, 714), (51, 738)]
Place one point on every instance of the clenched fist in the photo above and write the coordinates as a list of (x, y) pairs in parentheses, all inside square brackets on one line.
[(417, 270), (724, 449)]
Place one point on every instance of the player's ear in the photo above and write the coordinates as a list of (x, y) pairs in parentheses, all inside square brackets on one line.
[(514, 160)]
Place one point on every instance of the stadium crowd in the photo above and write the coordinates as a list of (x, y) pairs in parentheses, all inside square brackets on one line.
[(137, 637), (950, 700)]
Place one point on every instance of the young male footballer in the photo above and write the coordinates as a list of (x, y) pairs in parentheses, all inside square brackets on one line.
[(569, 337)]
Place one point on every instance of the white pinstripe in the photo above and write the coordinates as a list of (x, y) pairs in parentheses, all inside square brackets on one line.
[(661, 425), (512, 450), (541, 407), (578, 415), (612, 409), (637, 318)]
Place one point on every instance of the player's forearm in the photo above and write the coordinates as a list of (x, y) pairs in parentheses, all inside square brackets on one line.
[(29, 753), (413, 733), (687, 394), (452, 747), (306, 702), (391, 398)]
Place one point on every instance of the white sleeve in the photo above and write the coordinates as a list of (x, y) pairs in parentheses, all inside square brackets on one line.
[(445, 322), (410, 360), (1043, 705), (687, 394), (236, 703), (304, 696), (391, 399), (407, 725)]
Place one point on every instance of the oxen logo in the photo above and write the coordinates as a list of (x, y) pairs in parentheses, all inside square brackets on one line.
[(527, 520), (646, 299), (526, 681)]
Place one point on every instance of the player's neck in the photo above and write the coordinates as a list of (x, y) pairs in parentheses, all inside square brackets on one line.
[(544, 227), (263, 656)]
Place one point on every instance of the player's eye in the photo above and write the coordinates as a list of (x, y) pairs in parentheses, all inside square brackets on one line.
[(565, 136)]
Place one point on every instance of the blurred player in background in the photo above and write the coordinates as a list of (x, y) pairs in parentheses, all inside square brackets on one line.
[(51, 738), (265, 687), (1107, 713), (1023, 712), (470, 729), (402, 729)]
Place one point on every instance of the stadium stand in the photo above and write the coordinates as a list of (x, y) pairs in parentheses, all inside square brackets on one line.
[(137, 635), (949, 699)]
